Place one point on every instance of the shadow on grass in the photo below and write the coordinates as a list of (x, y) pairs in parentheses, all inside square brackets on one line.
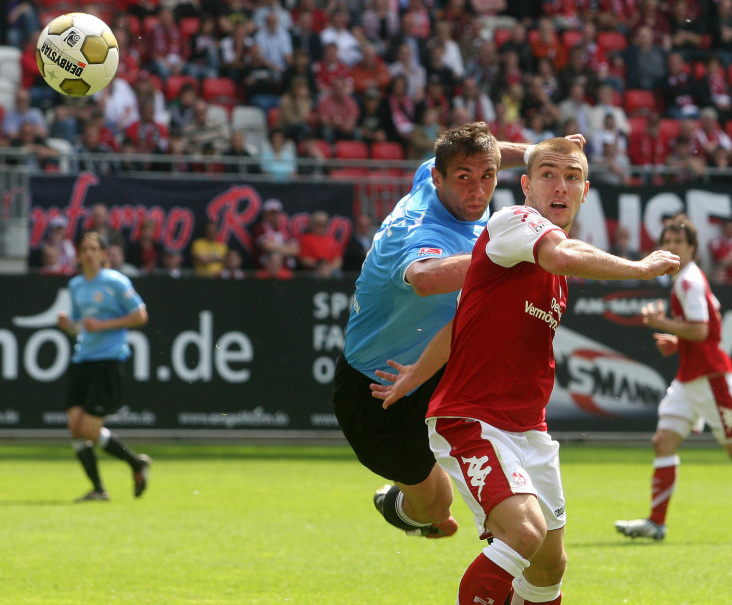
[(36, 502)]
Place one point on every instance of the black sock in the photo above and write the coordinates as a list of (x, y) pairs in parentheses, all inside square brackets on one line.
[(119, 450), (391, 512), (88, 460)]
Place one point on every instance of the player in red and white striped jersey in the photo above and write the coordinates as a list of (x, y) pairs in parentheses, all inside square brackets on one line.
[(702, 389), (486, 418)]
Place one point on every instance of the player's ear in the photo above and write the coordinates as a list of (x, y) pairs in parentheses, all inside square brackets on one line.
[(525, 184), (586, 191), (436, 177)]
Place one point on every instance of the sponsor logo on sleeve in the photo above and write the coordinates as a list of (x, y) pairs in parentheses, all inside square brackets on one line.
[(429, 252)]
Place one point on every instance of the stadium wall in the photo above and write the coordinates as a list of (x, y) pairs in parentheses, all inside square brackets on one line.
[(220, 357)]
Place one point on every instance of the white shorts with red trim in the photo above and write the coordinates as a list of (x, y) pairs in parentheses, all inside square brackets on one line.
[(708, 398), (489, 465)]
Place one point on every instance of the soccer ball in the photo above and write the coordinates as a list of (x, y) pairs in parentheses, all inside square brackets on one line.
[(77, 54)]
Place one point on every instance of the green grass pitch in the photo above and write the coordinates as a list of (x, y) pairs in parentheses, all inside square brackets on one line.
[(258, 525)]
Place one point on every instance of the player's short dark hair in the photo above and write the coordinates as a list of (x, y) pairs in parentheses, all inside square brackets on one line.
[(680, 223), (95, 235), (463, 141)]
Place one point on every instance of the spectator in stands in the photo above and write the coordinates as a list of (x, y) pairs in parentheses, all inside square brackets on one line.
[(549, 45), (119, 105), (238, 148), (147, 90), (232, 266), (611, 166), (23, 113), (709, 136), (720, 166), (714, 89), (262, 83), (720, 249), (679, 89), (203, 55), (319, 16), (313, 159), (278, 159), (20, 21), (274, 43), (421, 17), (320, 254), (131, 57), (381, 23), (373, 123), (484, 67), (205, 129), (576, 106), (172, 264), (608, 133), (146, 252), (536, 131), (621, 244), (721, 30), (370, 72), (606, 106), (181, 109), (165, 45), (436, 68), (35, 151), (337, 32), (402, 111), (436, 98), (651, 16), (61, 258), (458, 14), (493, 13), (415, 76), (272, 236), (330, 67), (577, 68), (519, 43), (42, 95), (99, 221), (117, 261), (338, 113), (408, 35), (91, 142), (360, 243), (477, 103), (301, 67), (146, 134), (507, 130), (649, 148), (304, 37), (296, 112), (422, 138), (267, 7), (509, 75), (537, 100), (235, 50), (682, 166), (452, 57), (274, 268), (645, 63), (686, 31), (208, 252)]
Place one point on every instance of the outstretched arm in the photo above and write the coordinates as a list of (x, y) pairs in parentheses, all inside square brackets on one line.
[(438, 275), (654, 316), (411, 376)]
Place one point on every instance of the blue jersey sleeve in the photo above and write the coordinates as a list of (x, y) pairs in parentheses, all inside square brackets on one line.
[(422, 244)]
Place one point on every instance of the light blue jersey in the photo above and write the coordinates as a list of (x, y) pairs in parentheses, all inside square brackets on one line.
[(388, 320), (110, 294)]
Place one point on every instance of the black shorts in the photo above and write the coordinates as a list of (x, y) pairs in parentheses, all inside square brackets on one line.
[(96, 386), (392, 443)]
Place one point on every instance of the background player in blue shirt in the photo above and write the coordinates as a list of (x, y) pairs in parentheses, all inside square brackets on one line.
[(104, 305), (406, 293)]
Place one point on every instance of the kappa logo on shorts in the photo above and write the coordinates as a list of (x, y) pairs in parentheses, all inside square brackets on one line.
[(429, 251), (477, 472), (483, 601)]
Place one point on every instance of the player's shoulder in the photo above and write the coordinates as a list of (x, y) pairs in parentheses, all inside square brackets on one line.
[(112, 276), (76, 281)]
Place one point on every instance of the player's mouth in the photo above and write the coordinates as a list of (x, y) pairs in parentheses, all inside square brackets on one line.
[(559, 205)]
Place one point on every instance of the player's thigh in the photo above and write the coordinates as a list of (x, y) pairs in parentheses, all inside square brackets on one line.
[(713, 399), (676, 412), (484, 463), (541, 461), (104, 395)]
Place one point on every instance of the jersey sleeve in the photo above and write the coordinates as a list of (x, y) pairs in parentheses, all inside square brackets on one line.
[(692, 297), (126, 293), (424, 244), (514, 233)]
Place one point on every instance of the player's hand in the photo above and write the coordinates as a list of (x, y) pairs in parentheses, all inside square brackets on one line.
[(92, 325), (403, 382), (64, 322), (660, 262), (577, 138), (667, 344), (653, 313)]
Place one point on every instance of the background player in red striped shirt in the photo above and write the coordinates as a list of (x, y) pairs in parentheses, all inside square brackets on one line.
[(702, 389)]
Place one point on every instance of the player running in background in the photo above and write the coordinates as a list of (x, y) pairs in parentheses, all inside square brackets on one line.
[(486, 419), (103, 306), (702, 388), (406, 292)]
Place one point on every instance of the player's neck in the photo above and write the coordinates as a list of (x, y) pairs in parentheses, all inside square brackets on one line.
[(90, 273)]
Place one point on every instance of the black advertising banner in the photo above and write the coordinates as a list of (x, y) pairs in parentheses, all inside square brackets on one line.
[(221, 355), (180, 208)]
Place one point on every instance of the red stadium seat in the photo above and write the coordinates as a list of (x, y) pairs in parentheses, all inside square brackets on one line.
[(637, 125), (351, 150), (670, 128), (273, 117), (571, 37), (220, 91), (500, 37), (174, 83), (386, 150), (189, 26), (610, 42), (322, 144), (639, 102), (148, 23)]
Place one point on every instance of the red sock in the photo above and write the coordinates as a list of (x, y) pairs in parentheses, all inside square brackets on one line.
[(664, 481), (484, 583)]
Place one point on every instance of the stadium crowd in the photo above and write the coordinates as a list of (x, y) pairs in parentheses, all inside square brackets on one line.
[(646, 81)]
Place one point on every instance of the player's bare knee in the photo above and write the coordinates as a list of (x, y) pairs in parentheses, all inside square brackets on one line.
[(526, 538)]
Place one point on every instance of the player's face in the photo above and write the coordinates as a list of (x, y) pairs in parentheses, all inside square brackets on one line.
[(676, 243), (91, 256), (468, 186), (556, 188)]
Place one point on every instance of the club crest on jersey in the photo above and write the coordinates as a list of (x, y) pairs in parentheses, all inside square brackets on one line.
[(519, 479), (429, 251)]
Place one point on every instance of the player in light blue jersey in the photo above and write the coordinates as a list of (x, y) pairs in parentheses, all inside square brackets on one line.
[(104, 305), (406, 293)]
